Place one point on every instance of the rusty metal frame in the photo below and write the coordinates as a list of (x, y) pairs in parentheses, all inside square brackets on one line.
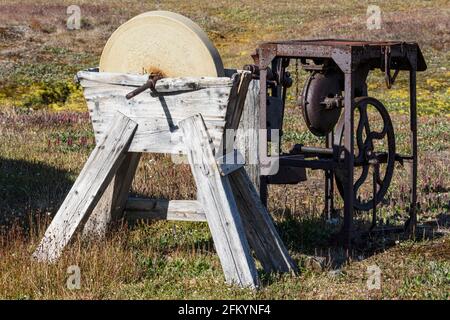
[(348, 56)]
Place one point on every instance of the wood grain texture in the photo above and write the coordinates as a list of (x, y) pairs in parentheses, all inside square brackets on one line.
[(247, 138), (178, 210), (260, 229), (95, 176), (216, 196), (234, 112), (111, 205), (157, 116), (164, 85)]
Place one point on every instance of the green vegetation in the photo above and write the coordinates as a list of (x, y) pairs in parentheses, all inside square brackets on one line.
[(46, 137)]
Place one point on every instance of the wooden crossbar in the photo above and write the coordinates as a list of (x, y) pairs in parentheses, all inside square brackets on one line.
[(176, 210)]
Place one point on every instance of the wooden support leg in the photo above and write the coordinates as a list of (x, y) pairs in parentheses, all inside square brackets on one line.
[(95, 176), (111, 206), (259, 227), (216, 196)]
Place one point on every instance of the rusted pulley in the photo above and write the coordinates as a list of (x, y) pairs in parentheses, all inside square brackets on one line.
[(321, 101)]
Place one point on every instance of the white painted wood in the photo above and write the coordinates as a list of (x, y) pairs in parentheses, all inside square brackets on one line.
[(216, 196), (112, 203), (89, 78), (177, 210), (260, 229), (88, 188)]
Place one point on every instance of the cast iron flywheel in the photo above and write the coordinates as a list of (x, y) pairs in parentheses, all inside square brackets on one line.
[(371, 146)]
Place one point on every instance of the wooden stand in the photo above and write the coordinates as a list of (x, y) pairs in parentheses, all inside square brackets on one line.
[(227, 199)]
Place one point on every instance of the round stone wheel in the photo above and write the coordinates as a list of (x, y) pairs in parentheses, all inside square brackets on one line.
[(161, 42)]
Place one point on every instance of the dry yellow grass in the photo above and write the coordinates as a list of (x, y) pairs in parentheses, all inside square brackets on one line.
[(41, 153)]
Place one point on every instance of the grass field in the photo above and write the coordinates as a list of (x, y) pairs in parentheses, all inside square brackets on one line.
[(46, 136)]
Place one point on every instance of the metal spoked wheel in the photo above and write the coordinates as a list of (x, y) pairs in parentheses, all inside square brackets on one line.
[(374, 147)]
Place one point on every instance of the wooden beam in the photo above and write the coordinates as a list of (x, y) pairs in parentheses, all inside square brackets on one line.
[(260, 230), (212, 102), (95, 176), (89, 78), (248, 135), (111, 205), (234, 112), (176, 210), (216, 196)]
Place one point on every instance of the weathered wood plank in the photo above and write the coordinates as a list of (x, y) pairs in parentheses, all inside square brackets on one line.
[(234, 112), (155, 135), (178, 210), (87, 190), (111, 205), (157, 117), (233, 116), (247, 138), (88, 78), (155, 123), (163, 142), (211, 101), (216, 196), (260, 230)]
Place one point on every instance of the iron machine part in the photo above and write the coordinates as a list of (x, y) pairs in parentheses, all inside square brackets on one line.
[(321, 100), (335, 104), (366, 153)]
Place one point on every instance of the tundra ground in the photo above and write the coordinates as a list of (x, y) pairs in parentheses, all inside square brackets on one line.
[(45, 138)]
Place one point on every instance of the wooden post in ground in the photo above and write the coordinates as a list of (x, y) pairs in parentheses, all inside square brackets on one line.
[(95, 176)]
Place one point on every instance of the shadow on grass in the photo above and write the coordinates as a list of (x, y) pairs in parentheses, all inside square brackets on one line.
[(33, 192), (314, 238), (30, 192)]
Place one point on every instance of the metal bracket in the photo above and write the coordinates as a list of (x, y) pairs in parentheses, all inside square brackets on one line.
[(150, 84), (387, 68)]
